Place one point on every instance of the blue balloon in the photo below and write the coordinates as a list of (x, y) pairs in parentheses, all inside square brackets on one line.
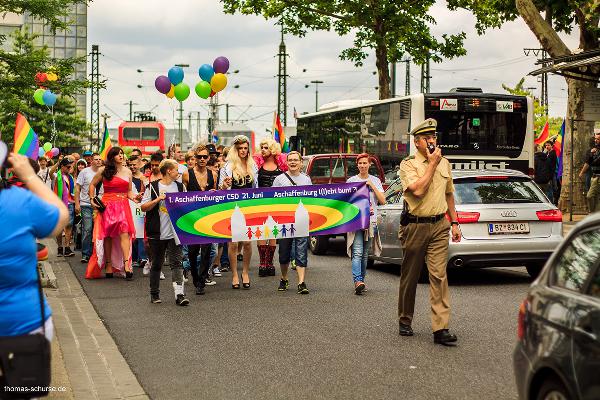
[(206, 72), (176, 75), (49, 98)]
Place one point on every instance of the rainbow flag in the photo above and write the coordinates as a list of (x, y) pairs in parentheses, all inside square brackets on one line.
[(26, 141), (279, 135), (106, 145), (543, 135), (558, 148)]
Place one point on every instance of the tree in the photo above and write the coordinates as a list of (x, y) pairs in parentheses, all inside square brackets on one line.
[(540, 114), (559, 16), (17, 77), (391, 28)]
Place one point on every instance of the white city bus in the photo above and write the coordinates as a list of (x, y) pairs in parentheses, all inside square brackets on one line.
[(476, 130)]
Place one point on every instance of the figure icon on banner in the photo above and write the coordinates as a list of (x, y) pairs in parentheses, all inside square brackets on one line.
[(240, 231)]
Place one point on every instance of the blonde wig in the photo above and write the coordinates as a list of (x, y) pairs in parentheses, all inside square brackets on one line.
[(274, 147), (233, 158)]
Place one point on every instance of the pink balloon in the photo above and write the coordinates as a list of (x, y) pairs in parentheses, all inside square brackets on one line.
[(55, 152)]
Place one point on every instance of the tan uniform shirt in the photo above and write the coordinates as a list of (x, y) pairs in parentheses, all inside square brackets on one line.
[(434, 201)]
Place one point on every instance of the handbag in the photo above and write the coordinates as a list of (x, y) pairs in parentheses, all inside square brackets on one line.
[(25, 362), (101, 206)]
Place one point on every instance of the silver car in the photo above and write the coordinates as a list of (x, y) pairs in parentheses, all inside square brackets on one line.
[(505, 220)]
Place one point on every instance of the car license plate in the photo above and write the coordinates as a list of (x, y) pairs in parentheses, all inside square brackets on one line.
[(504, 228)]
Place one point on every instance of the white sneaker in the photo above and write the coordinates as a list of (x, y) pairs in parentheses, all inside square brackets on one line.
[(162, 276), (210, 282), (146, 270), (217, 272)]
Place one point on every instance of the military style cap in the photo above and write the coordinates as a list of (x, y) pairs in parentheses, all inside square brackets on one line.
[(426, 127)]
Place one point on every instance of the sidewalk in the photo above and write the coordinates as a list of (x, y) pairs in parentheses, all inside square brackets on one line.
[(568, 225), (85, 359)]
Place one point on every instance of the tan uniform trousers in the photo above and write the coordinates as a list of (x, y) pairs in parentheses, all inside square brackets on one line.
[(420, 242), (593, 195)]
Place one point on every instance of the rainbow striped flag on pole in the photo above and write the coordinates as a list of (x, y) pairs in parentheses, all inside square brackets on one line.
[(279, 135), (106, 144), (558, 149), (26, 140)]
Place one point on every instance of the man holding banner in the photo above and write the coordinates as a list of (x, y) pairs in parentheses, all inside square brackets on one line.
[(293, 178)]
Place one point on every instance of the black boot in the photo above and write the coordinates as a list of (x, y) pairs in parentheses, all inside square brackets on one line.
[(269, 260), (262, 252)]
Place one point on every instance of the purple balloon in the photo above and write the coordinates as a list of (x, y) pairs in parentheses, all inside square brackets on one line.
[(221, 65), (162, 84)]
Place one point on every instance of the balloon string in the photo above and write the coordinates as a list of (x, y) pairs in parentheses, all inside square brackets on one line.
[(54, 132)]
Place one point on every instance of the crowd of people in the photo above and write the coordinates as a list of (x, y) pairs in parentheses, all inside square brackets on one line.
[(97, 195)]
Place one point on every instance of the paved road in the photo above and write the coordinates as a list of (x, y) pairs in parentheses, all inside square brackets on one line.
[(330, 344)]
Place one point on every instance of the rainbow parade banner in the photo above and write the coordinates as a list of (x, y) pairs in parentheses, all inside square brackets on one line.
[(268, 213)]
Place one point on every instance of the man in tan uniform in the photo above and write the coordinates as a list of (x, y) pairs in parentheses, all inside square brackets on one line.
[(428, 190)]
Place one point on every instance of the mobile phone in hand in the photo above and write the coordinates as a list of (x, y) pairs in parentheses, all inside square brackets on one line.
[(430, 147)]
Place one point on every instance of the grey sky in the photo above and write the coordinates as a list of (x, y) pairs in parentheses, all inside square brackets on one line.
[(153, 35)]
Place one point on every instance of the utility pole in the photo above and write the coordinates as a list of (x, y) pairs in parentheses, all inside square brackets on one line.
[(542, 55), (393, 83), (407, 77), (425, 77), (131, 104), (213, 116), (95, 97), (316, 93), (181, 113), (227, 113), (282, 81)]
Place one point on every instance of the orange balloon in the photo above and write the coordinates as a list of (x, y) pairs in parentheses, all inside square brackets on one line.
[(171, 93)]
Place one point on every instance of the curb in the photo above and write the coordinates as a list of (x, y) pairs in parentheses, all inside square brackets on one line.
[(47, 275)]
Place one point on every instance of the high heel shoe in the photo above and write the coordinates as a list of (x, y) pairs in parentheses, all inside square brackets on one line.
[(235, 285), (128, 274), (245, 285), (107, 275)]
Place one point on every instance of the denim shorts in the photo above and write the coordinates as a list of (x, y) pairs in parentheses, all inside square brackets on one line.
[(71, 207), (285, 250)]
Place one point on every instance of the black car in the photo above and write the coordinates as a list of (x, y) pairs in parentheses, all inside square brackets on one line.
[(558, 352)]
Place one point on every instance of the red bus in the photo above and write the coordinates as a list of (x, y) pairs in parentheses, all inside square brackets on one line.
[(148, 136)]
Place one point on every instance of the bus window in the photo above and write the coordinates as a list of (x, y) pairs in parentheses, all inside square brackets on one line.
[(150, 133), (480, 132)]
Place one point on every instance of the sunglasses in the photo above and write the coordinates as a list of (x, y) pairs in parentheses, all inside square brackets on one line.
[(264, 147), (202, 156)]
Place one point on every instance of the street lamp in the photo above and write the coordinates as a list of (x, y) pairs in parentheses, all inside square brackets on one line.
[(316, 93)]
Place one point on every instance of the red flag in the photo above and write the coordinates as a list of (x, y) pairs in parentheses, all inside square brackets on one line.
[(543, 136)]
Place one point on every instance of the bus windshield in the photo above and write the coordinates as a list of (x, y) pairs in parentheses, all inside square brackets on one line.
[(480, 132)]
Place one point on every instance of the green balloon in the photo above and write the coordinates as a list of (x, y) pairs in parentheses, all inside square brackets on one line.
[(38, 97), (203, 89), (47, 146), (182, 91)]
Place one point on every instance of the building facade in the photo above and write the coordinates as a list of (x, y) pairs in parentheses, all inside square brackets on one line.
[(71, 42)]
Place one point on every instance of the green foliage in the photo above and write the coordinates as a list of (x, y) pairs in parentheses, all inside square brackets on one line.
[(17, 84), (392, 28), (539, 111), (493, 13)]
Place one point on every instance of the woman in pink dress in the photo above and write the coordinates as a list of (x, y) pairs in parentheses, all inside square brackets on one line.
[(114, 227)]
